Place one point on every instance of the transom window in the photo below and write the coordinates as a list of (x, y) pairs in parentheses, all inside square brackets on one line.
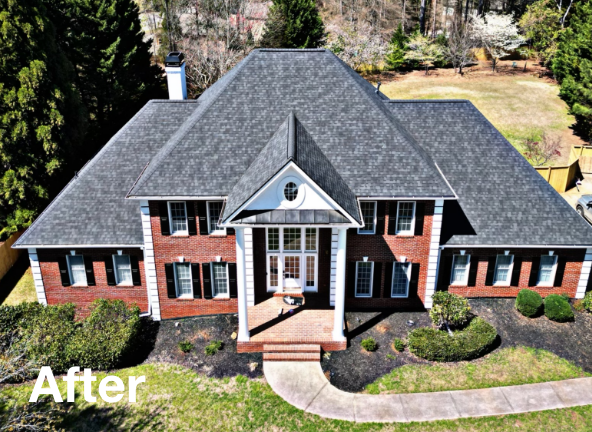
[(77, 270), (178, 217), (292, 239), (460, 269), (214, 212), (183, 279), (291, 191), (364, 272), (123, 269), (368, 217), (273, 239), (401, 278), (547, 270), (503, 269), (405, 217), (311, 239), (220, 279)]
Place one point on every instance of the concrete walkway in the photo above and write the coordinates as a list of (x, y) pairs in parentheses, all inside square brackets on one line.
[(304, 385)]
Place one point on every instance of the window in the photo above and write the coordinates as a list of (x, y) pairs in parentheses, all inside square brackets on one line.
[(364, 272), (183, 279), (77, 270), (214, 212), (401, 278), (460, 270), (310, 270), (273, 239), (368, 217), (311, 239), (178, 214), (273, 270), (123, 269), (291, 191), (405, 217), (292, 237), (503, 269), (220, 279), (547, 270)]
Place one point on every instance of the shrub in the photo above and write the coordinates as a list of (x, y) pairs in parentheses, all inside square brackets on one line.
[(213, 347), (185, 346), (529, 303), (558, 309), (579, 305), (587, 301), (399, 344), (369, 344), (436, 345), (14, 318), (449, 309), (106, 335)]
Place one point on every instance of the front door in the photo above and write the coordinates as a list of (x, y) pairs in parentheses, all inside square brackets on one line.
[(292, 270)]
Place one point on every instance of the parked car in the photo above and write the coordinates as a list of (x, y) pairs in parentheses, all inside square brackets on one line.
[(584, 207)]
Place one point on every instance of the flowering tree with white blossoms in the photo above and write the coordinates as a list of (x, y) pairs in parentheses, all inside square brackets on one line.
[(498, 34), (356, 45)]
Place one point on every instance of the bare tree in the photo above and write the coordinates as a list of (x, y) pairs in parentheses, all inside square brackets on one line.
[(358, 45), (461, 43), (541, 152)]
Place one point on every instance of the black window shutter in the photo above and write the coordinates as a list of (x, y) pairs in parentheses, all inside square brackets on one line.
[(376, 280), (64, 273), (490, 270), (414, 282), (207, 280), (169, 271), (136, 279), (445, 272), (232, 280), (561, 262), (534, 271), (392, 225), (163, 211), (380, 213), (473, 268), (202, 214), (109, 270), (90, 273), (516, 272), (351, 279), (191, 226), (196, 280), (419, 216), (388, 279)]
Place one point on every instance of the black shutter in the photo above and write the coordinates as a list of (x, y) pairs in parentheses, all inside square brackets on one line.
[(64, 273), (380, 213), (90, 273), (392, 225), (169, 271), (376, 280), (207, 280), (109, 270), (202, 214), (445, 272), (388, 279), (419, 217), (196, 280), (351, 279), (516, 272), (191, 226), (414, 282), (232, 280), (534, 272), (136, 279), (490, 270), (163, 211), (561, 262), (473, 268), (230, 231)]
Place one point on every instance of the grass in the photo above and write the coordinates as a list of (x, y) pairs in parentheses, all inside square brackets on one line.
[(23, 290), (509, 366)]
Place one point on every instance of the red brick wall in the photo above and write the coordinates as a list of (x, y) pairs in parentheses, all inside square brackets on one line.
[(84, 296), (573, 266)]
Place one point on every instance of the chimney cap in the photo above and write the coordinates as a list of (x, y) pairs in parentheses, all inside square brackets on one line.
[(174, 58)]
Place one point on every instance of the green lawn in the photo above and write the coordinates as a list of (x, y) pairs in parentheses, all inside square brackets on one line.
[(21, 289)]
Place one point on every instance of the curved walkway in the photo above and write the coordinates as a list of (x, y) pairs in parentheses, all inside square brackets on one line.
[(304, 385)]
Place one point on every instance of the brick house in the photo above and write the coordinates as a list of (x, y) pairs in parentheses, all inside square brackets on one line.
[(292, 179)]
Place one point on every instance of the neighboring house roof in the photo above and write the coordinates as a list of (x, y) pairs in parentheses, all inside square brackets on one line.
[(505, 201)]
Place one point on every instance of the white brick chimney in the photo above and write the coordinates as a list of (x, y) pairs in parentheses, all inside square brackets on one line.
[(175, 71)]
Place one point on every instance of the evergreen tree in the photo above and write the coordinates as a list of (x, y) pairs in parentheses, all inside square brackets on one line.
[(573, 67), (40, 114), (395, 57), (293, 24)]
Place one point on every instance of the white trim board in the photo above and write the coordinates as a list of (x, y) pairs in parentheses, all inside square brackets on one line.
[(79, 246), (434, 255), (552, 246), (37, 277), (149, 263)]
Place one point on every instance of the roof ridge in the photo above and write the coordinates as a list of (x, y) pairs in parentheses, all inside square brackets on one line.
[(427, 101)]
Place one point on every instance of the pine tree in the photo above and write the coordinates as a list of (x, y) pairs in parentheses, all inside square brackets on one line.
[(395, 57), (573, 67), (293, 24), (40, 114)]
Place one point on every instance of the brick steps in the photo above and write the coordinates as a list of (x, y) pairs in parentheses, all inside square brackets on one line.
[(291, 356)]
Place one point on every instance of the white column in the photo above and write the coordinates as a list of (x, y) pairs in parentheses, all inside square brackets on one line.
[(340, 286), (280, 270), (333, 281), (243, 320), (434, 256), (585, 274), (37, 278), (149, 263)]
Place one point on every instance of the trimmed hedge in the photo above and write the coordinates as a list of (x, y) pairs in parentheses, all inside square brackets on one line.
[(587, 301), (557, 308), (529, 303), (437, 345)]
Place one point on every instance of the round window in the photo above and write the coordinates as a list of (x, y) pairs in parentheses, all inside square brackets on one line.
[(291, 191)]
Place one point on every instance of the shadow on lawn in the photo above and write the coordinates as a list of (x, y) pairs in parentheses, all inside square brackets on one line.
[(115, 418), (12, 278)]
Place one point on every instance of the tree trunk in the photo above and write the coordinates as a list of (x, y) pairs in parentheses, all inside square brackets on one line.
[(422, 10), (466, 11), (403, 15), (493, 63), (480, 8), (435, 6)]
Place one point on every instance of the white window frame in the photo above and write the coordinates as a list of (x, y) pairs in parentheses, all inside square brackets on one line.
[(179, 295), (373, 231), (465, 281), (117, 281), (411, 230), (70, 271), (409, 265), (173, 232), (219, 231), (553, 273), (315, 287), (371, 280), (227, 295), (508, 280)]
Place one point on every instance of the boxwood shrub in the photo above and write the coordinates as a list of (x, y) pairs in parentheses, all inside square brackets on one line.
[(437, 345), (529, 303), (557, 308)]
